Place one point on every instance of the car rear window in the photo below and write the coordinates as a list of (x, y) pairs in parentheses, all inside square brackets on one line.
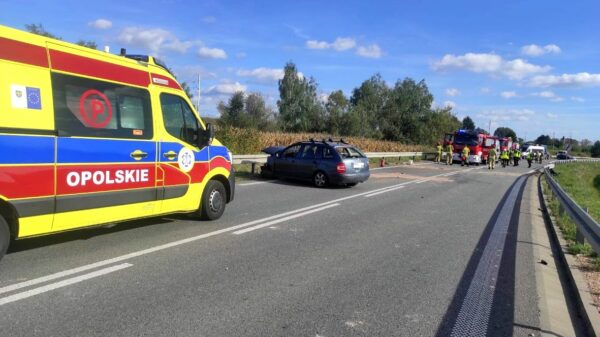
[(349, 152)]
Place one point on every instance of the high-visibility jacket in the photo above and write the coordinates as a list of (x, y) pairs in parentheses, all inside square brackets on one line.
[(504, 155)]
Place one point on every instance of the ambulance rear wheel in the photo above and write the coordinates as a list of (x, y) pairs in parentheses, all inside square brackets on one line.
[(214, 200), (4, 237)]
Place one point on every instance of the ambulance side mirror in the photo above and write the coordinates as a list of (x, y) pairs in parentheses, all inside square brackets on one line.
[(206, 137)]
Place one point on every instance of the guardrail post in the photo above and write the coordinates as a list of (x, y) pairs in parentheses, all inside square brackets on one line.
[(579, 238)]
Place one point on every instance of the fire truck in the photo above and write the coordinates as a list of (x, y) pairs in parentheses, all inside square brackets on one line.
[(476, 143)]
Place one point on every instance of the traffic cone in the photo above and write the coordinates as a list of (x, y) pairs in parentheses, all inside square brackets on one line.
[(382, 162)]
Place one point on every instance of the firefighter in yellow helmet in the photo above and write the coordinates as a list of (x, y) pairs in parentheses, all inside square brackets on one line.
[(438, 157), (465, 156)]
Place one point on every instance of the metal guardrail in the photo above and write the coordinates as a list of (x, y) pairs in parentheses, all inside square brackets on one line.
[(262, 158), (586, 226)]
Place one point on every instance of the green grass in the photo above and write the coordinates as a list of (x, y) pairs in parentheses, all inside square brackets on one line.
[(569, 231), (582, 182)]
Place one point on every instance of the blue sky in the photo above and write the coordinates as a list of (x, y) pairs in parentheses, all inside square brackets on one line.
[(529, 65)]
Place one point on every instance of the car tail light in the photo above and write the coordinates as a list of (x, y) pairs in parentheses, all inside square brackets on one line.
[(341, 168)]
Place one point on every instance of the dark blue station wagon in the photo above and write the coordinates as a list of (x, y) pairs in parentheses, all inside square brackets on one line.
[(321, 162)]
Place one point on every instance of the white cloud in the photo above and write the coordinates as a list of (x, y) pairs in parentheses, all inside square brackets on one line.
[(155, 40), (372, 51), (551, 115), (489, 63), (314, 44), (343, 43), (549, 95), (452, 92), (340, 44), (209, 19), (212, 53), (507, 115), (565, 80), (535, 50), (449, 104), (226, 88), (508, 94), (485, 90), (100, 24), (263, 74), (577, 99)]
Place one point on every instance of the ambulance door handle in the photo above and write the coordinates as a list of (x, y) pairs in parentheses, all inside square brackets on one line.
[(138, 155), (170, 155)]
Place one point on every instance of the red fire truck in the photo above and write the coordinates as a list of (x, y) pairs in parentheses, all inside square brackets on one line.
[(475, 142)]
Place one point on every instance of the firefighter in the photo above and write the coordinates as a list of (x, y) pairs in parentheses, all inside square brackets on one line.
[(516, 157), (511, 154), (504, 156), (491, 160), (449, 151), (530, 158), (438, 157), (465, 156), (539, 157)]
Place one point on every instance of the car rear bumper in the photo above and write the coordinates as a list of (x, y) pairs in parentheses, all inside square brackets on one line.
[(350, 178)]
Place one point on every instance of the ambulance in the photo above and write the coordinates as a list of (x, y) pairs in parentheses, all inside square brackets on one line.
[(90, 138)]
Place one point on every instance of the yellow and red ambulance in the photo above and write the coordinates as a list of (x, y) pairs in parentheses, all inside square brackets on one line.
[(89, 138)]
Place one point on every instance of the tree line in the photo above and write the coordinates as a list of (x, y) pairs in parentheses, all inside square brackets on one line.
[(402, 112)]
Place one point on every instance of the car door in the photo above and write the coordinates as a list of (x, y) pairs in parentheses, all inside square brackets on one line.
[(105, 152), (285, 164), (306, 162), (182, 164)]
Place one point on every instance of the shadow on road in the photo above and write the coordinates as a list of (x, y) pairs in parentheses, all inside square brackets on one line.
[(86, 234)]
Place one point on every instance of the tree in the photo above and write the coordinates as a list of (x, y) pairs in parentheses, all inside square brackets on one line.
[(468, 124), (543, 140), (438, 122), (299, 107), (505, 132), (232, 113), (89, 44), (406, 111), (336, 110), (188, 91), (40, 30), (480, 130), (368, 102), (595, 151), (259, 115)]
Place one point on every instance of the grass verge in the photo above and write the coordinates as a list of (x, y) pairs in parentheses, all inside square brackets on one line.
[(569, 231)]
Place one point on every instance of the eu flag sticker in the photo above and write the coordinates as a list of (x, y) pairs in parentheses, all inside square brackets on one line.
[(26, 97), (34, 99)]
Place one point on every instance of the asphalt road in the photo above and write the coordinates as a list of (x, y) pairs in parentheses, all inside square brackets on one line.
[(400, 255)]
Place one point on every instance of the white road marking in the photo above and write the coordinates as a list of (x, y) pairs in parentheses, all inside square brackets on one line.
[(297, 215), (421, 181), (256, 183), (530, 172), (154, 249), (384, 191), (63, 283)]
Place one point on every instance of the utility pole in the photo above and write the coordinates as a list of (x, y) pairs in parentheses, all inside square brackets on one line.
[(198, 106), (490, 127)]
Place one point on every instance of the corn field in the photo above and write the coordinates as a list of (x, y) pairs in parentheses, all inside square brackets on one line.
[(250, 141)]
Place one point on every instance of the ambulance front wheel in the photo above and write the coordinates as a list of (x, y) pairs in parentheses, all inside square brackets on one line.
[(4, 237), (214, 200)]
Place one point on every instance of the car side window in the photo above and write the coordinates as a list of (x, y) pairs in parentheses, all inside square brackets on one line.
[(309, 152), (291, 151), (327, 152), (179, 119)]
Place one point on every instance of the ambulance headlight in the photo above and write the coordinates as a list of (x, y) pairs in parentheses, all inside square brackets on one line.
[(230, 156)]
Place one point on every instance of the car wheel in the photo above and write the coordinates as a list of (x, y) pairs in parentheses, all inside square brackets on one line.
[(213, 201), (4, 237), (320, 179)]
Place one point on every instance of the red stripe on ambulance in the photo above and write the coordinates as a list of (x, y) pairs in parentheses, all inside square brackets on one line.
[(23, 52), (95, 68), (27, 181)]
